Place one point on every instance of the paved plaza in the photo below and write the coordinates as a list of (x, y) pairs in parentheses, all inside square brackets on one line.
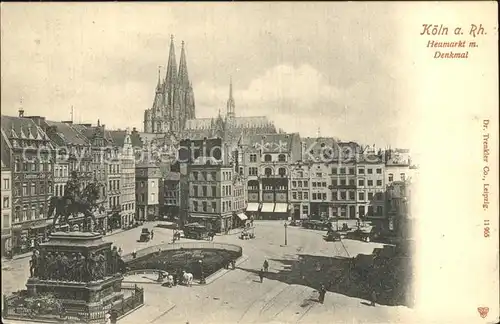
[(287, 294)]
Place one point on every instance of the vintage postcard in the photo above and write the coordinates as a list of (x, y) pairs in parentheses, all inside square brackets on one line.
[(237, 162)]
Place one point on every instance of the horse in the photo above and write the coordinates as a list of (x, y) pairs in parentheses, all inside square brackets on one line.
[(187, 278)]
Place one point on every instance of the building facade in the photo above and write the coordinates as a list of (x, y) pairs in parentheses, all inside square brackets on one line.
[(300, 190), (171, 193), (147, 181), (28, 153), (6, 210)]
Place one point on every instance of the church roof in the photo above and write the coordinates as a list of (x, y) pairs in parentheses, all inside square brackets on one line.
[(250, 122)]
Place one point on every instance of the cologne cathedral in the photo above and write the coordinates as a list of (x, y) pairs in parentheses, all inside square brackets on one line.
[(172, 116), (173, 103)]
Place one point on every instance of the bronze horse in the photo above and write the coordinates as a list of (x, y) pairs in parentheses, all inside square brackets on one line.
[(64, 206)]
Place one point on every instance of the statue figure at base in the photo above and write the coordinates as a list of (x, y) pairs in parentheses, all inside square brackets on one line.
[(74, 202)]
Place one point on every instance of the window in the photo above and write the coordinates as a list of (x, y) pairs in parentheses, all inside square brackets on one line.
[(370, 183), (300, 195), (253, 171), (379, 183), (300, 184), (33, 211), (294, 195), (6, 184), (25, 189), (379, 171), (204, 190), (204, 175), (361, 182), (335, 195), (342, 170), (306, 195), (334, 170), (213, 175), (306, 183), (42, 188), (334, 182), (335, 211), (361, 211), (195, 175), (6, 202), (391, 177), (204, 206), (352, 196), (324, 196), (352, 170), (343, 211), (142, 197), (282, 172), (253, 157), (314, 184), (267, 158), (402, 176), (342, 182), (319, 174), (294, 184), (300, 174), (343, 195), (370, 196), (195, 191), (41, 210), (314, 196), (323, 184), (214, 191), (369, 170), (268, 172), (352, 182), (195, 205), (214, 206), (361, 171), (361, 196), (6, 221), (282, 158), (380, 210)]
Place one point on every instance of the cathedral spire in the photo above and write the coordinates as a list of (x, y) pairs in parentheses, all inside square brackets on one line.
[(171, 75), (230, 101), (183, 70), (158, 86)]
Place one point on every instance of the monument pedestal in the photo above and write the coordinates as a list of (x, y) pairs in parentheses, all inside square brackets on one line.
[(77, 269)]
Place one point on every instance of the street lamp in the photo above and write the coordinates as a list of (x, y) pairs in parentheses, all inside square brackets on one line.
[(202, 275), (286, 225)]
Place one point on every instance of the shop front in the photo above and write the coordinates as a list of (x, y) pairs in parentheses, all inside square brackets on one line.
[(6, 242), (27, 236), (252, 210), (239, 219)]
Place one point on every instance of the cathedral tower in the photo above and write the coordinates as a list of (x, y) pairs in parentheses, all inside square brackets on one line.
[(230, 102)]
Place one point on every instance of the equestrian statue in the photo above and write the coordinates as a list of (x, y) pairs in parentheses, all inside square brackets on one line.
[(74, 201)]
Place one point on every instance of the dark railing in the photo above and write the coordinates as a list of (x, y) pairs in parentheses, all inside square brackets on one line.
[(14, 308)]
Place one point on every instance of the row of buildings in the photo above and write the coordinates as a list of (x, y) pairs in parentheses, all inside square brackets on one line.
[(38, 156)]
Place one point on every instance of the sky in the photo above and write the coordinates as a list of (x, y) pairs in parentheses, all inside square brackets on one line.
[(333, 69)]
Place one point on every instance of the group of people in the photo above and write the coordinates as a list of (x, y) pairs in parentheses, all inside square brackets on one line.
[(75, 267)]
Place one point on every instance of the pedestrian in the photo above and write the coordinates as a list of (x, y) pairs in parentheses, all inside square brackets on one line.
[(373, 298), (175, 279), (114, 316), (134, 254), (322, 293), (266, 266), (120, 251), (152, 234), (233, 264), (261, 275)]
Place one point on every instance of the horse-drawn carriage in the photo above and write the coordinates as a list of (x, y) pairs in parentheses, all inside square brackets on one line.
[(198, 232)]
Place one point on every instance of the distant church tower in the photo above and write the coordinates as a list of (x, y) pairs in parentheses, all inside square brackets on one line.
[(173, 103), (230, 101)]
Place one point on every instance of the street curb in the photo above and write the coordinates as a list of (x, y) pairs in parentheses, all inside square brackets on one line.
[(221, 272)]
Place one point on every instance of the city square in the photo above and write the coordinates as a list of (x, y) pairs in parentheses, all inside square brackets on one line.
[(237, 296)]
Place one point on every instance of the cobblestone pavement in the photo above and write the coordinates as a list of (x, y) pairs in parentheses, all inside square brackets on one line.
[(238, 296)]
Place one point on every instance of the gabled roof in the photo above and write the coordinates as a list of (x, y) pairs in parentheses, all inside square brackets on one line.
[(65, 134), (22, 128), (271, 143)]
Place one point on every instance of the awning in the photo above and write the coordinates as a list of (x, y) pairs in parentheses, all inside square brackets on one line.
[(281, 208), (267, 208), (253, 207), (242, 216)]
